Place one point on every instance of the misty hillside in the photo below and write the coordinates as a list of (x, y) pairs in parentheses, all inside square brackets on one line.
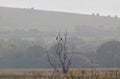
[(31, 18), (25, 34)]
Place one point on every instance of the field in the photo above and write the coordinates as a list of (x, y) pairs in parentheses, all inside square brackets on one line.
[(49, 74)]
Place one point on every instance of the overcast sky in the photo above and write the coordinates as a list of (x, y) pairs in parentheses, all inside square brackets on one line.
[(103, 7)]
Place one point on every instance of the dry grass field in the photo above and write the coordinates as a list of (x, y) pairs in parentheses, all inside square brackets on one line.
[(49, 74)]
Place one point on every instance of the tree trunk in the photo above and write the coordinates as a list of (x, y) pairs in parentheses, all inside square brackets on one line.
[(65, 70)]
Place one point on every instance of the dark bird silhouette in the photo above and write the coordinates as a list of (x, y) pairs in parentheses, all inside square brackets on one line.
[(56, 38), (60, 38)]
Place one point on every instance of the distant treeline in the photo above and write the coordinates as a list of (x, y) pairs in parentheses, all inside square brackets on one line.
[(16, 53)]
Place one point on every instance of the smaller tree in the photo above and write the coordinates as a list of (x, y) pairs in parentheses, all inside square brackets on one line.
[(62, 53)]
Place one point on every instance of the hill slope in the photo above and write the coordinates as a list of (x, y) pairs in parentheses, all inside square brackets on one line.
[(51, 21)]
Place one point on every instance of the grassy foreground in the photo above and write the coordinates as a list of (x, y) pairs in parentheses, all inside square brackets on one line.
[(73, 74)]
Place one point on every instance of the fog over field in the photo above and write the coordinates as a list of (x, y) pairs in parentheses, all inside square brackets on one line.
[(25, 33)]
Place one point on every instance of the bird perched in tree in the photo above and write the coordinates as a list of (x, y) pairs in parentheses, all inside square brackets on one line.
[(60, 38), (56, 38)]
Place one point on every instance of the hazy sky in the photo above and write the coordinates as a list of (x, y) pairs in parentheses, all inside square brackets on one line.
[(104, 7)]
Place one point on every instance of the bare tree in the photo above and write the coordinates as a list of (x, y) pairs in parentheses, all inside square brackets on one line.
[(61, 51)]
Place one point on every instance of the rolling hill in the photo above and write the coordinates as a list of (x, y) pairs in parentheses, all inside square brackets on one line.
[(12, 18)]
